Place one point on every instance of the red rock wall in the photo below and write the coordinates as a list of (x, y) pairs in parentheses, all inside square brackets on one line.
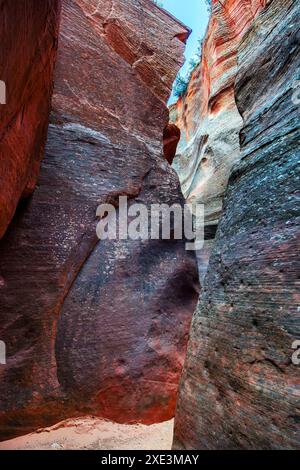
[(240, 387), (98, 327), (211, 89), (27, 56)]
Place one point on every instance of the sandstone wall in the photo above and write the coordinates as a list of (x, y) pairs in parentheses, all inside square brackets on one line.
[(240, 389), (27, 57), (98, 327), (208, 118)]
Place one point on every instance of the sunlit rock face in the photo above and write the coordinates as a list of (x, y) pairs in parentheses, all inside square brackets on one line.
[(207, 115), (240, 386), (98, 327), (27, 57)]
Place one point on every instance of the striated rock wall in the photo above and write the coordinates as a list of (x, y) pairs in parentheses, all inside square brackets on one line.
[(207, 115), (240, 389), (27, 57), (98, 327)]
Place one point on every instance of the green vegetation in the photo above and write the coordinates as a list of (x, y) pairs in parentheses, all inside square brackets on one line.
[(181, 83), (209, 5), (158, 3)]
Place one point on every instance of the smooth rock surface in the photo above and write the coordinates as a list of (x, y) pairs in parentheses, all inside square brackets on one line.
[(28, 38), (240, 389), (98, 327)]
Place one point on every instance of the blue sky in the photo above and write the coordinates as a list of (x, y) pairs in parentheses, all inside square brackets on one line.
[(194, 14)]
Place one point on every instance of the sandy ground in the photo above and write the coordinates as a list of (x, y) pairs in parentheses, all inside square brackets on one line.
[(95, 434)]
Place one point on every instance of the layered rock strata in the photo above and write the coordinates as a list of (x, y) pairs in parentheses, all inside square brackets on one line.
[(98, 327), (240, 386), (208, 118)]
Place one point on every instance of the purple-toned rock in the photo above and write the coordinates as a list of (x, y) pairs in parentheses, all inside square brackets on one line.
[(98, 327)]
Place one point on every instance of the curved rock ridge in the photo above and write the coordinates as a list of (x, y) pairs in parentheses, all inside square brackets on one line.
[(240, 385), (98, 327), (27, 60), (207, 115)]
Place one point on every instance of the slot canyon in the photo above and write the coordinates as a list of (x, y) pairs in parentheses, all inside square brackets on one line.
[(140, 332)]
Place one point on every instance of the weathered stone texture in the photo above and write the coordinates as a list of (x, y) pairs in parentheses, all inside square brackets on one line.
[(98, 327), (207, 115), (240, 389), (28, 38)]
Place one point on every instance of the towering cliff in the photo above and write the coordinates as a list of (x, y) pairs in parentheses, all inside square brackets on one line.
[(208, 118), (98, 327), (27, 59), (240, 388)]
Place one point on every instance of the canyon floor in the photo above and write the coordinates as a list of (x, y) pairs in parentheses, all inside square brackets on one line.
[(95, 434)]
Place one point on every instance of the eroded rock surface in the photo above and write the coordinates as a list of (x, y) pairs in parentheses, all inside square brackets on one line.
[(28, 37), (98, 327), (207, 115), (240, 389)]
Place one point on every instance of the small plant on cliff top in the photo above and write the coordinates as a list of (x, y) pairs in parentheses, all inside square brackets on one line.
[(180, 85), (158, 3), (209, 5)]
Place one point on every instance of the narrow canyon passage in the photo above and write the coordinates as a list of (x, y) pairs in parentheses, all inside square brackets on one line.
[(138, 342)]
